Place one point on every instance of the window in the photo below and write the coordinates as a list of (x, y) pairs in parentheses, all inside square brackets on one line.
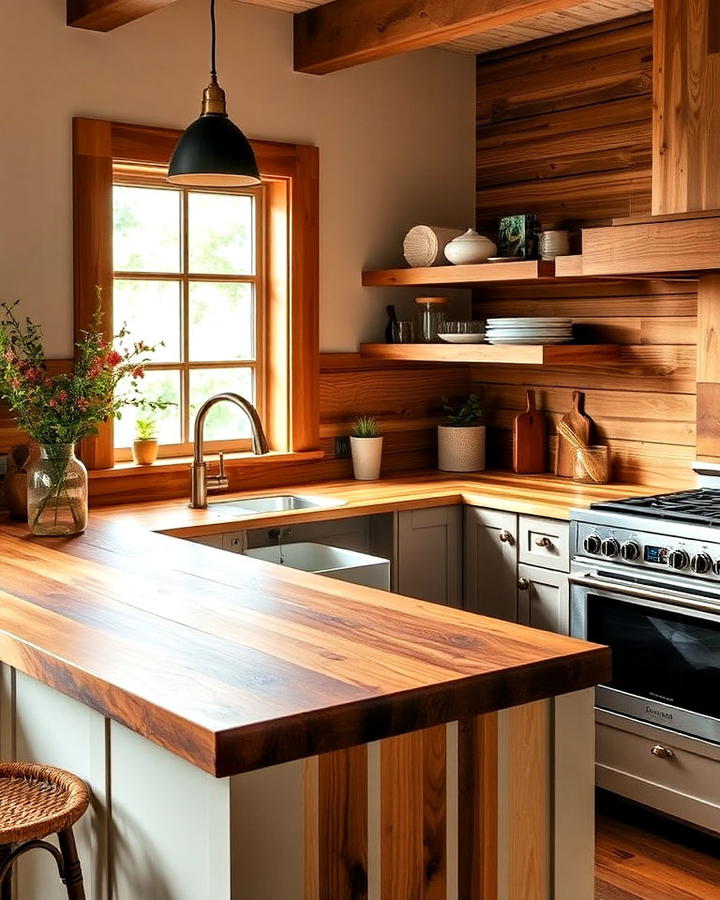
[(227, 279), (188, 272)]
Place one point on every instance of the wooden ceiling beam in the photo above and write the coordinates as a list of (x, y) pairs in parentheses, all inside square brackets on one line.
[(346, 33), (105, 15)]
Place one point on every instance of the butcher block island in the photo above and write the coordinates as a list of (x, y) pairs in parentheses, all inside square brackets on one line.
[(250, 731)]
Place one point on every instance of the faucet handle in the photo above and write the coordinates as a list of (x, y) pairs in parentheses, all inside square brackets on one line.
[(219, 482)]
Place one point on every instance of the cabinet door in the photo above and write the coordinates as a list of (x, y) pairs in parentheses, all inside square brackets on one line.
[(490, 568), (429, 554), (543, 599)]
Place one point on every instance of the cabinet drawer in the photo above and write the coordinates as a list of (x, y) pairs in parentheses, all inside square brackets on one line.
[(544, 542), (684, 783)]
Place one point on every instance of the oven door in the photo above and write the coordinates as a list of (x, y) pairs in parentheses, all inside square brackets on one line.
[(665, 649)]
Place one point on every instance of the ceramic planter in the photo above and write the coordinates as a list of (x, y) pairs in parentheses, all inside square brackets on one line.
[(366, 457), (470, 248), (461, 448), (145, 452)]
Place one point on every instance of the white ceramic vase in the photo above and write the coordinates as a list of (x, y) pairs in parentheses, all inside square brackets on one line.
[(461, 448), (366, 457), (470, 248)]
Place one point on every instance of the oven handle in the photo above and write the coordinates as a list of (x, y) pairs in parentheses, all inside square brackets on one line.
[(654, 596)]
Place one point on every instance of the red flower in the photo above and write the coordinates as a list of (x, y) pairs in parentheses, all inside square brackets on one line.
[(15, 383), (138, 372), (113, 358), (9, 355), (83, 403), (52, 402), (62, 396)]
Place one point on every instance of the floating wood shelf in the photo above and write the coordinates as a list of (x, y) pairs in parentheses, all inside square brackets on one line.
[(514, 354), (526, 271), (459, 276)]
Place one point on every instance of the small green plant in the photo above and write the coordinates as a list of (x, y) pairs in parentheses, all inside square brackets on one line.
[(365, 427), (464, 412), (145, 430)]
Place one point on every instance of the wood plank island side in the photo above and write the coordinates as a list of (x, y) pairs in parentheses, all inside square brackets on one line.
[(233, 676)]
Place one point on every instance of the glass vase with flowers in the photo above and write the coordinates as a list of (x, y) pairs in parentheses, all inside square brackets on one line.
[(58, 410)]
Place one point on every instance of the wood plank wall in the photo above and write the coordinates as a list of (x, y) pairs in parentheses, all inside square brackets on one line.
[(564, 131)]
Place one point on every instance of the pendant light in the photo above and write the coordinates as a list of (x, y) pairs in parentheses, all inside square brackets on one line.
[(213, 152)]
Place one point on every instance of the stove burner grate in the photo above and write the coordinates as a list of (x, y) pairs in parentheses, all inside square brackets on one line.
[(701, 506)]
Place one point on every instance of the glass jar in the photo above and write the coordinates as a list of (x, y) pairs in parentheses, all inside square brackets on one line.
[(57, 492), (430, 317), (592, 465)]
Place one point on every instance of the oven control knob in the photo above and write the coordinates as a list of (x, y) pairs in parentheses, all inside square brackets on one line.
[(609, 547), (592, 543), (678, 559), (700, 563), (630, 551)]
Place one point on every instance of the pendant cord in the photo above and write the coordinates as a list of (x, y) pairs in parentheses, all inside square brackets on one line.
[(213, 41)]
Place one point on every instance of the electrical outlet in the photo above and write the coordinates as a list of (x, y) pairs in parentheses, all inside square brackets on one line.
[(342, 447)]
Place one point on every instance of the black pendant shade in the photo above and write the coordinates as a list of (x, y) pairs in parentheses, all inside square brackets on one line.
[(215, 153), (212, 151)]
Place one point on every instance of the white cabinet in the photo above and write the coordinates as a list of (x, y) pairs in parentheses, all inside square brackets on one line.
[(490, 563), (543, 598), (428, 547)]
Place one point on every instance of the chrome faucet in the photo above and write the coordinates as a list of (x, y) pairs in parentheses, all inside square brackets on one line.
[(200, 481)]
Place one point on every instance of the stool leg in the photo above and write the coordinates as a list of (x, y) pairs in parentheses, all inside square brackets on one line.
[(72, 874), (6, 886)]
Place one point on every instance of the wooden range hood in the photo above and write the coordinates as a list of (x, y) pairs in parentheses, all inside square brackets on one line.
[(683, 234)]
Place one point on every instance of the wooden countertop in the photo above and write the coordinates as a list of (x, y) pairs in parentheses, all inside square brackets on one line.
[(535, 495), (235, 664)]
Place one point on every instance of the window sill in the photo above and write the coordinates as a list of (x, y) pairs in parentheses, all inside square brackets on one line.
[(232, 461)]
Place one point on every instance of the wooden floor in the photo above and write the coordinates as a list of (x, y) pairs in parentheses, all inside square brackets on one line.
[(640, 855)]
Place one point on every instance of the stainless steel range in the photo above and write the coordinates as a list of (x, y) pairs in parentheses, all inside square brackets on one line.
[(645, 579)]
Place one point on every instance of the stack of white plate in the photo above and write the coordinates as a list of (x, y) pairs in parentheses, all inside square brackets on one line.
[(529, 331)]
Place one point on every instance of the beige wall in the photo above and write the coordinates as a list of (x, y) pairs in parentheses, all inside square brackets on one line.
[(396, 140)]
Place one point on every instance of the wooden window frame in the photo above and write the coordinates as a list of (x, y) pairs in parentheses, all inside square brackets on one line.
[(290, 176), (143, 176)]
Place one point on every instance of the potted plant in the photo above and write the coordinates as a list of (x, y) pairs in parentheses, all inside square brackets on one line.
[(461, 443), (58, 410), (145, 445), (366, 448)]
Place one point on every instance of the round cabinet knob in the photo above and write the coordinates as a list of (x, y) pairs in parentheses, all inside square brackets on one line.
[(592, 544), (678, 559), (523, 584), (630, 551), (505, 537), (700, 563), (609, 547), (662, 752), (543, 542)]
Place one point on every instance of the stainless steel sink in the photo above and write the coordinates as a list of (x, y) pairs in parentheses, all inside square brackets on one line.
[(277, 503)]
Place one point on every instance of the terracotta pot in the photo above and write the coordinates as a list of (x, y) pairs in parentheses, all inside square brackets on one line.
[(145, 452), (461, 448), (366, 457)]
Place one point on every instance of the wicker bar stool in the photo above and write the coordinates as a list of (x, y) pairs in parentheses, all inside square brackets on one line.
[(35, 802)]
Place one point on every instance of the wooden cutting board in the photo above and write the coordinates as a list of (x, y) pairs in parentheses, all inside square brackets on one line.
[(580, 424), (529, 439)]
